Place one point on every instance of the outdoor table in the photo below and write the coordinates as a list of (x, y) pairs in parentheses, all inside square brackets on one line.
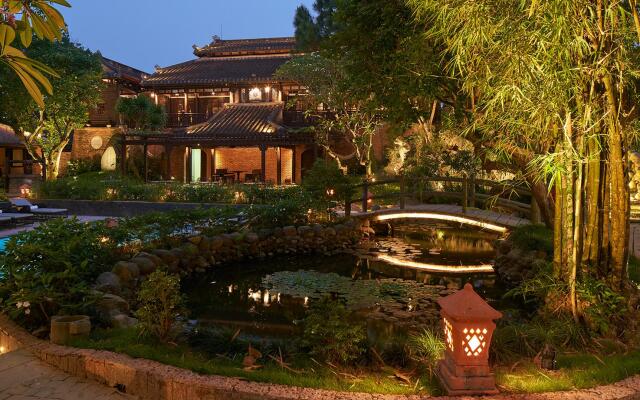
[(237, 172)]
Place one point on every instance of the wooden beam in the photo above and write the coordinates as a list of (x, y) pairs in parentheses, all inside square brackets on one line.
[(263, 163), (213, 163)]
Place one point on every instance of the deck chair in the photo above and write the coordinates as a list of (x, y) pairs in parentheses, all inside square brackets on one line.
[(22, 204)]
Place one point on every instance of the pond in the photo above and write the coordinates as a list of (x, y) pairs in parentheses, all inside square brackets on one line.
[(270, 297)]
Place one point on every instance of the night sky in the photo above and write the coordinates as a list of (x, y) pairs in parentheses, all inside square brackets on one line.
[(145, 33)]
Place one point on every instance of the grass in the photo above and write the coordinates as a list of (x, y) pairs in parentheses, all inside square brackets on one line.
[(576, 371), (313, 375)]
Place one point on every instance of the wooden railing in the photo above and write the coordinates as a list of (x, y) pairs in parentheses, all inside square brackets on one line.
[(182, 120), (468, 194)]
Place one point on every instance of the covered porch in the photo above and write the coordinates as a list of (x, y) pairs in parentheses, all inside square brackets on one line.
[(240, 144)]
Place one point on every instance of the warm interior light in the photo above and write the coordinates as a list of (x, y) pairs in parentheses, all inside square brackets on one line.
[(479, 268), (443, 217), (474, 342), (448, 334)]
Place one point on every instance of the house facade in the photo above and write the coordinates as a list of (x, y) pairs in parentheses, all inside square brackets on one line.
[(226, 116)]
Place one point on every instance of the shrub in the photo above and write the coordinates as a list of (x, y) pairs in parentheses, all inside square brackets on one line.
[(533, 237), (332, 332), (83, 165), (50, 269), (327, 176), (161, 306)]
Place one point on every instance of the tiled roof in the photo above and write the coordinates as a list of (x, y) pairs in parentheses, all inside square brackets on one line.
[(242, 121), (8, 138), (209, 71), (114, 69), (220, 48)]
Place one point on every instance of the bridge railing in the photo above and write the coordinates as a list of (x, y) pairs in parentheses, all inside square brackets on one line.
[(468, 196)]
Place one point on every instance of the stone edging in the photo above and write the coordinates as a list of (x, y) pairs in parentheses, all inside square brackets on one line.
[(152, 380)]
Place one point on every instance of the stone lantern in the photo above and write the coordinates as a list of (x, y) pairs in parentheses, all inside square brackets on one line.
[(468, 326)]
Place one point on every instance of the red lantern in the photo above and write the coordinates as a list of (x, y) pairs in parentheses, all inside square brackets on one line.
[(468, 326)]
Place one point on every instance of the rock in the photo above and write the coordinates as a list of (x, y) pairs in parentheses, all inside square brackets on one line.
[(305, 231), (166, 256), (123, 321), (145, 264), (195, 239), (190, 249), (156, 260), (200, 262), (290, 231), (205, 244), (237, 237), (126, 271), (108, 282), (110, 305), (64, 328), (330, 231), (251, 237), (215, 243)]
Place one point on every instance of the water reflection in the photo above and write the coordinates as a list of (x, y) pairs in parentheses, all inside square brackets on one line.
[(271, 297)]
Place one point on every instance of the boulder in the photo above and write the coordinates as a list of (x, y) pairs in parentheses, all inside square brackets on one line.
[(145, 264), (305, 231), (190, 249), (205, 244), (251, 237), (216, 243), (110, 305), (290, 231), (195, 239), (200, 262), (108, 282), (330, 231), (126, 271), (123, 321), (156, 260), (166, 256)]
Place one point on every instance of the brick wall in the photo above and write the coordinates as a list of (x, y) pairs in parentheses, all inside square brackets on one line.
[(240, 158), (82, 148)]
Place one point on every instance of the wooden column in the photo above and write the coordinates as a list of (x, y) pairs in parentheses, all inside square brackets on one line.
[(279, 165), (187, 175), (263, 163), (294, 171), (213, 163), (145, 162), (167, 154)]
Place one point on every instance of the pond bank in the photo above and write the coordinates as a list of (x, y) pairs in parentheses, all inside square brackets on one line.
[(152, 380)]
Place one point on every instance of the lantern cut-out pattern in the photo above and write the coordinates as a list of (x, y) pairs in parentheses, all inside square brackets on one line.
[(468, 326)]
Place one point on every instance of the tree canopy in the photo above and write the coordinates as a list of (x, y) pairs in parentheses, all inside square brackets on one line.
[(76, 91)]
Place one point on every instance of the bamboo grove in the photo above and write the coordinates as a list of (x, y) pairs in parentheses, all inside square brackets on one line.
[(556, 81)]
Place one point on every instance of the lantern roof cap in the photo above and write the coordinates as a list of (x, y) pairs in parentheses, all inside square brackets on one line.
[(466, 304)]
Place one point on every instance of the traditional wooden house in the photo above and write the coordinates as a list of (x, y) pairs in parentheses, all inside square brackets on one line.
[(97, 138), (226, 111)]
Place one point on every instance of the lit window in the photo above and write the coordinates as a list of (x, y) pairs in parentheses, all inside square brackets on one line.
[(255, 94)]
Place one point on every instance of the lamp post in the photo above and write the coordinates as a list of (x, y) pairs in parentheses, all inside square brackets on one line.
[(468, 326)]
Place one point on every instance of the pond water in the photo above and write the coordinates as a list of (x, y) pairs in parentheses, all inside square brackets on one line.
[(270, 297)]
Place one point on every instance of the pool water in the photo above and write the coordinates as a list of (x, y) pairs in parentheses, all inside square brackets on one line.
[(270, 297), (3, 243)]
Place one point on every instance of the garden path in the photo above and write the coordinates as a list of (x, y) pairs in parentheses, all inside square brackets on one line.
[(23, 376)]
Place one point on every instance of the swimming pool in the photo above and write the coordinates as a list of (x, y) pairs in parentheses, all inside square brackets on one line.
[(3, 243)]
